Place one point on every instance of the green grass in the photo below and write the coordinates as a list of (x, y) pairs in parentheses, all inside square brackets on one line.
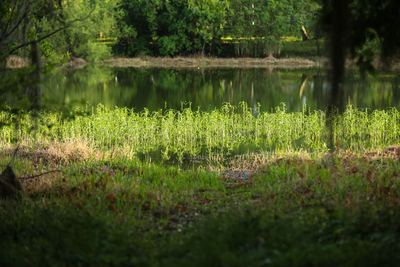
[(107, 207), (226, 131), (340, 210)]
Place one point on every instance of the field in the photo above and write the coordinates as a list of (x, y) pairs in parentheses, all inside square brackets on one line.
[(230, 187)]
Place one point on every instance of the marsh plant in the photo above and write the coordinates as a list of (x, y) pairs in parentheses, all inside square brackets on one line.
[(225, 131)]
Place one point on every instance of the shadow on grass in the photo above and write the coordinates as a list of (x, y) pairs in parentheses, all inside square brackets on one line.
[(33, 235), (298, 238), (65, 236), (300, 212)]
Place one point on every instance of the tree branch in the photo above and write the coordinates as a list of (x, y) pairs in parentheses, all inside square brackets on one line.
[(51, 34), (9, 20), (16, 25), (5, 34)]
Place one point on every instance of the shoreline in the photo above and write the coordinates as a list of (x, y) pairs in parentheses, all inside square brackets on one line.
[(211, 62), (193, 62)]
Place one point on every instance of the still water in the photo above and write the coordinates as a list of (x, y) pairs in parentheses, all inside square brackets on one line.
[(209, 88)]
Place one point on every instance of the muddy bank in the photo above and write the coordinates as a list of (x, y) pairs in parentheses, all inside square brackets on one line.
[(207, 62)]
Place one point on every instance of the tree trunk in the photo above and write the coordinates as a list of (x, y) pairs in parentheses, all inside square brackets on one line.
[(34, 90), (270, 54), (338, 55)]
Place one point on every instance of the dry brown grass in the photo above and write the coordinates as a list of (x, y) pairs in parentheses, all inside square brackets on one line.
[(50, 156), (243, 167), (14, 62), (54, 152), (253, 161), (39, 168), (75, 63), (43, 184)]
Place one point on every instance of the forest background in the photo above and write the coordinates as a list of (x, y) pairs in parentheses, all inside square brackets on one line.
[(80, 193), (95, 30)]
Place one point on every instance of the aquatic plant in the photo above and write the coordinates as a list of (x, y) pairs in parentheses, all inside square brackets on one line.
[(227, 130)]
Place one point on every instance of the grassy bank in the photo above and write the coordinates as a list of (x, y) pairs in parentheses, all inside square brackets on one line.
[(306, 210), (210, 62), (291, 203), (293, 55)]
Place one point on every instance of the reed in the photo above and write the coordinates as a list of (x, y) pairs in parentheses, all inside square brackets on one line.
[(225, 131)]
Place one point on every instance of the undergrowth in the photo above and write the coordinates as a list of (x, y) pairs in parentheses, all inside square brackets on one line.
[(328, 210), (104, 206)]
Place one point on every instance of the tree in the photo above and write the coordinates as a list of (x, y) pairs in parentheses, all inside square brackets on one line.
[(59, 27), (169, 28), (53, 30), (261, 24), (359, 29), (210, 20), (19, 29), (241, 25), (79, 39), (277, 19)]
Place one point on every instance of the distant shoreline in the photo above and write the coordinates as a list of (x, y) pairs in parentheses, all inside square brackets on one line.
[(198, 62), (267, 63), (211, 62)]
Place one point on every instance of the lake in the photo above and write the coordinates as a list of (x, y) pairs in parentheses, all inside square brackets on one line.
[(157, 88)]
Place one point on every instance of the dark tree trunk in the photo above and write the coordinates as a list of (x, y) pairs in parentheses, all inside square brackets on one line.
[(34, 90), (338, 35)]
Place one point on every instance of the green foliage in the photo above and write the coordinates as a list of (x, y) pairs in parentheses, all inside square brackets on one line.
[(298, 238), (137, 26), (369, 28), (169, 45), (93, 51), (100, 240), (197, 26), (294, 211), (267, 22), (80, 38), (49, 52), (62, 28), (166, 28), (302, 49), (170, 28)]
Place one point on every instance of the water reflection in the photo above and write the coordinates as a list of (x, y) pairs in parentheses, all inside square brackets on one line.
[(209, 88)]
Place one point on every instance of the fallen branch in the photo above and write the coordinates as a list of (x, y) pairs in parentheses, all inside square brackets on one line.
[(30, 177)]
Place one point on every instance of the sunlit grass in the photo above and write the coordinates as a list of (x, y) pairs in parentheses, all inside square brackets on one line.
[(189, 133), (296, 206)]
